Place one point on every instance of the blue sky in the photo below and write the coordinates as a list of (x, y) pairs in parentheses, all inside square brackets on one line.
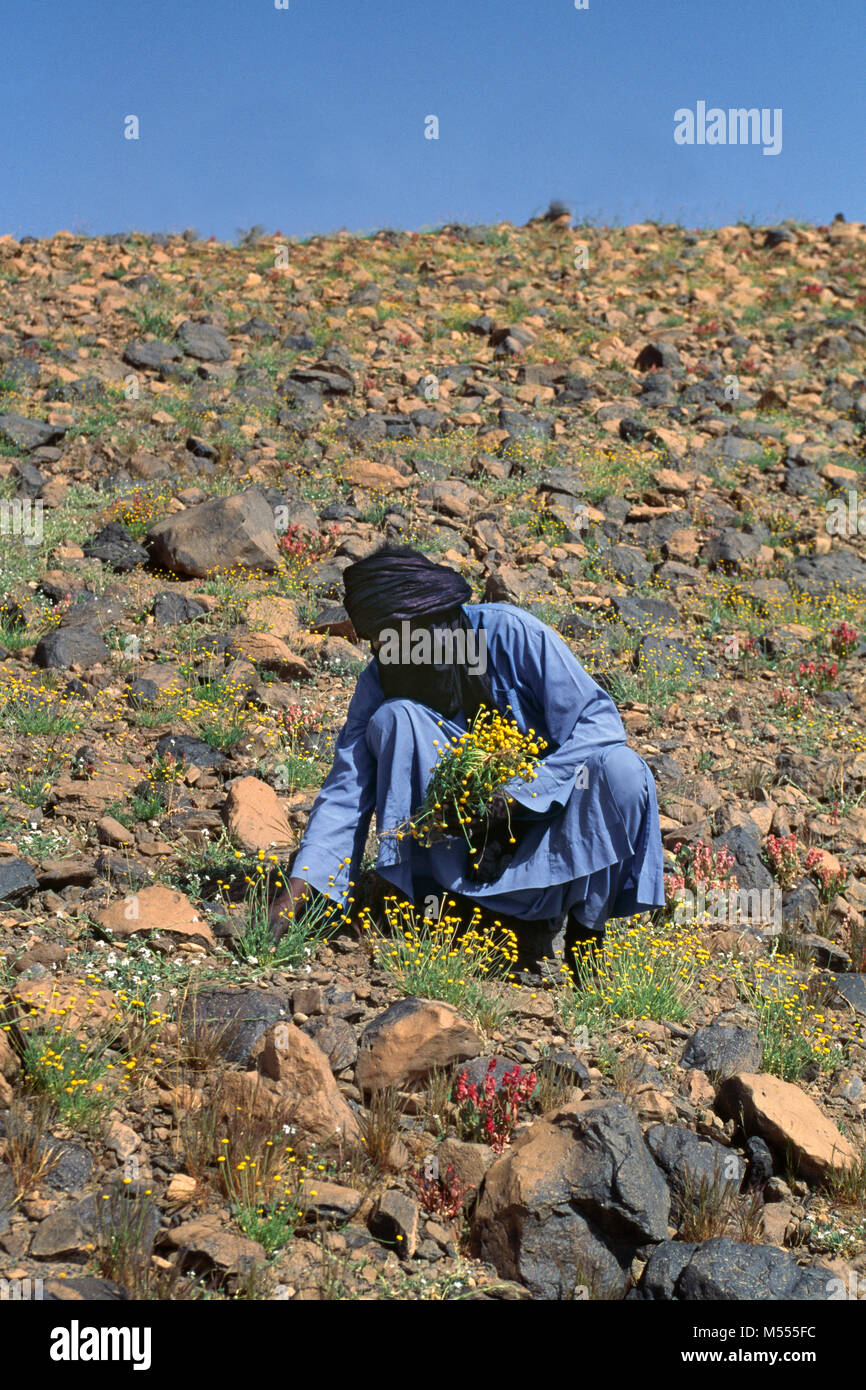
[(312, 118)]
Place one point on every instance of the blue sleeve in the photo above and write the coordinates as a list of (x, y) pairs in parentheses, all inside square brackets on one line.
[(564, 704), (330, 852)]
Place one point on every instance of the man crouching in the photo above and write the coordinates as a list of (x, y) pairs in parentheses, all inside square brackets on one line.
[(588, 842)]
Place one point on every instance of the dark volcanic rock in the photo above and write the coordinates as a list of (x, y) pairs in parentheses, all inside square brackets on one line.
[(93, 611), (70, 646), (629, 564), (71, 1166), (150, 356), (188, 749), (204, 342), (116, 547), (691, 1163), (572, 1199), (822, 575), (750, 870), (668, 656), (761, 1161), (234, 1019), (853, 988), (28, 434), (731, 550), (729, 1270), (369, 429), (336, 1038), (170, 608), (17, 881), (644, 612), (800, 904), (657, 354), (722, 1051)]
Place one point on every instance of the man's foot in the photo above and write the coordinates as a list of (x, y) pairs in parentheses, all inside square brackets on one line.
[(582, 946), (536, 958)]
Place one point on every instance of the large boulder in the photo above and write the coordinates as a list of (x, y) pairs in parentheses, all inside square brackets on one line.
[(63, 647), (213, 1252), (71, 1232), (729, 1270), (571, 1201), (186, 748), (26, 434), (270, 653), (732, 550), (204, 341), (749, 868), (115, 547), (225, 533), (233, 1020), (293, 1084), (789, 1121), (151, 355), (154, 909), (255, 817), (825, 575), (410, 1040), (693, 1165)]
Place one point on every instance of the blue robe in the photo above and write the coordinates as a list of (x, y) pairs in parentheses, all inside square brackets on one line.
[(590, 842)]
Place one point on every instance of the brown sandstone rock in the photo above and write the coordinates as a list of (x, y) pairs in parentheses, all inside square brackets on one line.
[(255, 816), (295, 1085), (226, 533), (789, 1120), (410, 1040), (155, 909), (271, 653)]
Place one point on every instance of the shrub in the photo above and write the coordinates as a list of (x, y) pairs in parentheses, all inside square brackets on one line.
[(490, 1112), (441, 959)]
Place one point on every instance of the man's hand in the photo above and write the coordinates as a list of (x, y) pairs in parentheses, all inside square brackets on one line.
[(287, 902), (495, 842)]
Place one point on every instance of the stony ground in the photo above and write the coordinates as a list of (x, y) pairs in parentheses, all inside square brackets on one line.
[(651, 437)]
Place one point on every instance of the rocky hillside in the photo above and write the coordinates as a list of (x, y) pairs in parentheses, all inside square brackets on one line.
[(651, 437)]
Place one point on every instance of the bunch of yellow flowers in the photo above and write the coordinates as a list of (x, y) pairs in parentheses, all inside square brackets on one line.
[(470, 770)]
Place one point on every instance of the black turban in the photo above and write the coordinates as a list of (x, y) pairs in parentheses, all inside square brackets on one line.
[(390, 587), (384, 589)]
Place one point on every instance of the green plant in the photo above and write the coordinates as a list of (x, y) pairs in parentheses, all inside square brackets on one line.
[(469, 772), (152, 319), (847, 1185), (380, 1128), (72, 1072), (555, 1084), (29, 1150), (318, 918), (125, 1229), (271, 1223), (794, 1030), (647, 970), (441, 958)]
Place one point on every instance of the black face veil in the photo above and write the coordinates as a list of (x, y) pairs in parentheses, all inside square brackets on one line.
[(395, 586)]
